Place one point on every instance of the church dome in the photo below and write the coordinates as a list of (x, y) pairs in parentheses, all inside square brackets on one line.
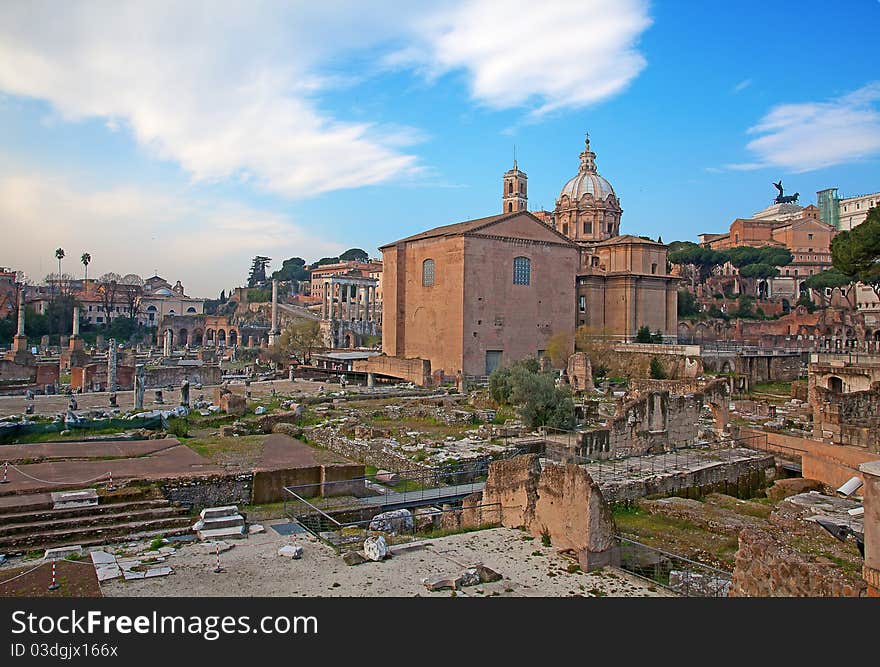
[(587, 183), (587, 180)]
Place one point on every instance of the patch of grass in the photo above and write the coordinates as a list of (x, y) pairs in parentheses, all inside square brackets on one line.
[(545, 537), (157, 544), (573, 567)]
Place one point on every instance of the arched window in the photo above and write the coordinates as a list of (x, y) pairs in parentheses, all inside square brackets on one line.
[(522, 270), (428, 273)]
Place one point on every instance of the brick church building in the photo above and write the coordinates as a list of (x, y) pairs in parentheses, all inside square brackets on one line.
[(478, 294)]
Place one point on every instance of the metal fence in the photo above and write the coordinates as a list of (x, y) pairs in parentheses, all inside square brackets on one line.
[(673, 572), (396, 527)]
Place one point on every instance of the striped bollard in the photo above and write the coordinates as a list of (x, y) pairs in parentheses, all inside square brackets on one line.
[(110, 486), (54, 585), (218, 569), (5, 479)]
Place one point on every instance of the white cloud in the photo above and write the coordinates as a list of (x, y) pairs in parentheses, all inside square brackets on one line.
[(548, 55), (239, 91), (814, 135), (222, 88), (741, 86), (206, 244)]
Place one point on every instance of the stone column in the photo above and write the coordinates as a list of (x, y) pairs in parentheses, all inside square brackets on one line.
[(139, 386), (367, 313), (330, 287), (166, 348), (871, 501), (371, 380), (273, 332), (19, 344), (111, 366), (20, 330), (184, 393), (76, 321)]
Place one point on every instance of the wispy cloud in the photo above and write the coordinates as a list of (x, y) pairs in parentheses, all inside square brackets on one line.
[(814, 135), (204, 243), (741, 86), (221, 88), (544, 56)]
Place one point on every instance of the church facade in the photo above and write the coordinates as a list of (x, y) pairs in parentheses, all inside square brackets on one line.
[(483, 293)]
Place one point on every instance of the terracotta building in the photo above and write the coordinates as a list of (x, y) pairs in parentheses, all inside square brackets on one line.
[(478, 294), (482, 293)]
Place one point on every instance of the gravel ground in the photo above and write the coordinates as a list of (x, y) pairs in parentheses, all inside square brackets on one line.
[(253, 568)]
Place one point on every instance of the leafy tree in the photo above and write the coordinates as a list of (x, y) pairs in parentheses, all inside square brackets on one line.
[(538, 400), (805, 301), (59, 255), (829, 278), (257, 275), (688, 306), (292, 269), (644, 335), (325, 260), (656, 371), (745, 304), (701, 261), (300, 339), (856, 252), (354, 255), (8, 328)]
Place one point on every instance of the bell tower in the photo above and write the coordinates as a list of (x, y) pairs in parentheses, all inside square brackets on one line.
[(515, 195)]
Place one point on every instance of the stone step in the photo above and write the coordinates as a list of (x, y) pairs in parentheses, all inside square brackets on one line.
[(63, 500), (235, 533), (218, 512), (219, 522), (91, 535), (43, 514), (92, 520)]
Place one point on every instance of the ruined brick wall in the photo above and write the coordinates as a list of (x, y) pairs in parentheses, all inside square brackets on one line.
[(417, 371), (851, 419), (767, 567), (561, 502)]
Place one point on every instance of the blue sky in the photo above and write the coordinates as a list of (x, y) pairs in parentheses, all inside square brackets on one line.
[(187, 139)]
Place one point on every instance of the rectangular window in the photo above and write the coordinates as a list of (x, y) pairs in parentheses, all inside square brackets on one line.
[(588, 228), (522, 270)]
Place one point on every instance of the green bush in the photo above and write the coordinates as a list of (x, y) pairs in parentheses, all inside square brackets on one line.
[(178, 427), (657, 371)]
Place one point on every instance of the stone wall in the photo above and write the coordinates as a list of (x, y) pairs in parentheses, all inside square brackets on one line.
[(768, 567), (741, 478), (417, 371), (159, 377), (847, 419), (210, 491), (655, 420), (561, 502)]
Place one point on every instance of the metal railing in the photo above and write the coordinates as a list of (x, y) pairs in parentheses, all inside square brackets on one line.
[(673, 572), (397, 527)]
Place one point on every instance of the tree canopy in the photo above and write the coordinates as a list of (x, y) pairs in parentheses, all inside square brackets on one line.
[(354, 254), (830, 278), (257, 275), (292, 269), (539, 402), (704, 260), (856, 252)]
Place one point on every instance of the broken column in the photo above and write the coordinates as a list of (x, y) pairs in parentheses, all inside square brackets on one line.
[(371, 380), (139, 381), (184, 393), (111, 366), (20, 342), (166, 348)]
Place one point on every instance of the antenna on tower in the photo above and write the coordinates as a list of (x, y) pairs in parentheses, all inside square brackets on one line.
[(514, 156)]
